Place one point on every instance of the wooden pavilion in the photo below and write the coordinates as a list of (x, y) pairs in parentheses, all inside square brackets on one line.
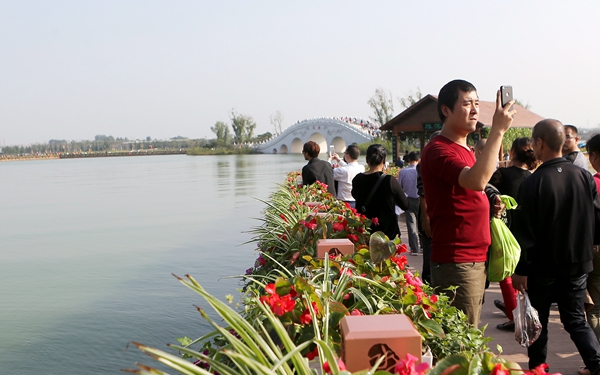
[(421, 119)]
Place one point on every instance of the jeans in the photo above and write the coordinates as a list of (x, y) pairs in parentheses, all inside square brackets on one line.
[(411, 224), (570, 295)]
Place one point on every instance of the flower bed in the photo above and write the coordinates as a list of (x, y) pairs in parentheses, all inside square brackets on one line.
[(294, 302)]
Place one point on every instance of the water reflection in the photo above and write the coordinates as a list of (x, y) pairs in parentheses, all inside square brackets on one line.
[(98, 240)]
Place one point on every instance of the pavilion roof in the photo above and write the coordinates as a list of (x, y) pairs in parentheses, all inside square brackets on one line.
[(425, 111)]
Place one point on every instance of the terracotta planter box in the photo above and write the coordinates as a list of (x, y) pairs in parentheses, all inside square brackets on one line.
[(334, 247), (366, 338)]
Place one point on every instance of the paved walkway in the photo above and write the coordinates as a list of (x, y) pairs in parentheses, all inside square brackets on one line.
[(562, 354)]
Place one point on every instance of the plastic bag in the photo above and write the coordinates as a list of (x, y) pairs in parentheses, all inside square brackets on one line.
[(504, 250), (527, 321)]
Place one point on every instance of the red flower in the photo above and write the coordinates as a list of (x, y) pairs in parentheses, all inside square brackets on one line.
[(352, 237), (499, 369), (375, 221), (270, 288), (283, 217), (540, 370), (407, 366), (310, 224), (293, 293), (327, 368), (356, 312), (338, 227), (315, 307), (400, 261), (313, 354), (305, 318), (433, 298), (401, 248), (265, 299), (281, 305)]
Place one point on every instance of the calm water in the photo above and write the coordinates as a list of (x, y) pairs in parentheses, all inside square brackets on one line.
[(88, 248)]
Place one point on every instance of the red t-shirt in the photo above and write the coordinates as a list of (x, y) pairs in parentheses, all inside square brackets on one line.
[(459, 217), (597, 180)]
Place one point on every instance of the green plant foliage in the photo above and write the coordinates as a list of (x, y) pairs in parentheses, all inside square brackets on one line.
[(293, 302)]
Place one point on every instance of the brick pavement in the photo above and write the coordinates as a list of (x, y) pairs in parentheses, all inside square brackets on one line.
[(562, 354)]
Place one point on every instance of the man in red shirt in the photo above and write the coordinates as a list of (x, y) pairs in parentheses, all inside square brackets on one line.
[(457, 206)]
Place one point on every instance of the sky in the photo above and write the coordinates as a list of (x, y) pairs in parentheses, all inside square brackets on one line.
[(136, 68)]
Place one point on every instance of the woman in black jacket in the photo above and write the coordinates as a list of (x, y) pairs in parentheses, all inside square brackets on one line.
[(380, 208)]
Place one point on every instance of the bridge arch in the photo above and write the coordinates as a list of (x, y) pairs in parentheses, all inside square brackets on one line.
[(323, 131), (339, 144), (319, 139), (297, 146)]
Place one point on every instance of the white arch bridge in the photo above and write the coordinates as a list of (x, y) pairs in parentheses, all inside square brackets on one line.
[(323, 131)]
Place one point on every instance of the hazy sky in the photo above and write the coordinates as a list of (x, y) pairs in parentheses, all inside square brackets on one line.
[(136, 68)]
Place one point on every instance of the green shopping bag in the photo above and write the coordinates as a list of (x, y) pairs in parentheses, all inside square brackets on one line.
[(505, 250)]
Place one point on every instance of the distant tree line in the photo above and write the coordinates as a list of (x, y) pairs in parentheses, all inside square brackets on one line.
[(103, 143)]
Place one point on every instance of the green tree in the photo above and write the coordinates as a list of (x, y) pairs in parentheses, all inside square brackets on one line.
[(263, 137), (382, 105), (222, 132), (243, 127), (411, 98), (512, 134)]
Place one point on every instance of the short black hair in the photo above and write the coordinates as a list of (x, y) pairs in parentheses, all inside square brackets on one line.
[(353, 151), (376, 154), (449, 95), (593, 145), (413, 156)]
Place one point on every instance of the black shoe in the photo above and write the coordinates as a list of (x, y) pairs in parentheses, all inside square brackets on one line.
[(500, 305), (507, 326)]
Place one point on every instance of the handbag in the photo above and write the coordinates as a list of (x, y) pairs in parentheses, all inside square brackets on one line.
[(363, 208)]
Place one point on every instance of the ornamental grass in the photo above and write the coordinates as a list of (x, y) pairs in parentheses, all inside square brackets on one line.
[(293, 302)]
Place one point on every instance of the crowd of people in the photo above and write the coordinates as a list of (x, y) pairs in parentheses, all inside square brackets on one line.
[(364, 125), (451, 191)]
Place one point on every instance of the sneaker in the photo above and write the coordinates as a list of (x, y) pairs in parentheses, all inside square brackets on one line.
[(414, 254), (500, 305), (584, 371), (507, 326)]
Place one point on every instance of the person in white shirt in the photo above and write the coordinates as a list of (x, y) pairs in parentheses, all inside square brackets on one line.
[(345, 173)]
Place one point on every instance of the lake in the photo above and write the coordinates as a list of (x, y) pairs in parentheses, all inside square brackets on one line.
[(89, 246)]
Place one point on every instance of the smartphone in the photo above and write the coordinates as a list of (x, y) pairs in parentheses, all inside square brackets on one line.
[(331, 150), (507, 94)]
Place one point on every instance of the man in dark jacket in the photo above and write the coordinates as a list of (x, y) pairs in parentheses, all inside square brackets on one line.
[(316, 169), (557, 226)]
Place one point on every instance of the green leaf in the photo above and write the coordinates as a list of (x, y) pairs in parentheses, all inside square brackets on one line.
[(455, 364), (432, 327), (381, 247)]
